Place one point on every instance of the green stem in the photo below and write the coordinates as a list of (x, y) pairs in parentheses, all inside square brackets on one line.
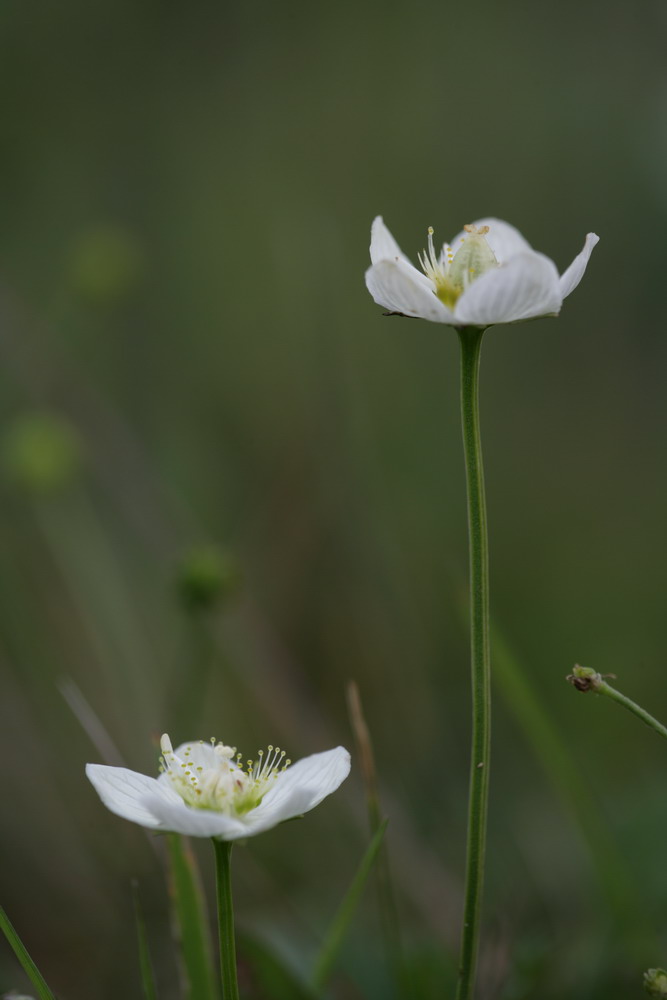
[(586, 679), (471, 342), (223, 854)]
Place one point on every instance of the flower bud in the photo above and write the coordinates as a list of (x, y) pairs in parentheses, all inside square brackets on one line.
[(585, 678), (207, 577)]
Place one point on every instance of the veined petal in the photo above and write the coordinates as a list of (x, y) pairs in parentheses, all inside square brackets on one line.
[(504, 239), (124, 792), (383, 244), (575, 272), (175, 816), (526, 287), (295, 802), (320, 774), (399, 287)]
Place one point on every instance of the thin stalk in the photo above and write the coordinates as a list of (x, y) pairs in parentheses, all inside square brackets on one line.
[(471, 342), (586, 679), (223, 854)]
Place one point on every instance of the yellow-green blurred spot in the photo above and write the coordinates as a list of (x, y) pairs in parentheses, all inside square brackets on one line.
[(206, 577), (41, 452), (106, 264)]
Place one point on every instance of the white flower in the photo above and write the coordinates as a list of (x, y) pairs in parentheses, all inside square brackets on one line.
[(488, 274), (205, 790)]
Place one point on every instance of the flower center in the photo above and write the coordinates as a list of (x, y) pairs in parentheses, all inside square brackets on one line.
[(451, 273), (213, 776)]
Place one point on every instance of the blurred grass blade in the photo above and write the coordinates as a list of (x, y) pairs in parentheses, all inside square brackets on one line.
[(29, 967), (147, 978), (389, 919), (341, 922), (271, 977), (562, 770), (189, 907)]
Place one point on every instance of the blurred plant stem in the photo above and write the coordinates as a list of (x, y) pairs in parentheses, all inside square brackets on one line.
[(190, 686), (586, 679), (223, 853), (91, 571), (343, 918), (145, 965), (389, 920), (471, 343)]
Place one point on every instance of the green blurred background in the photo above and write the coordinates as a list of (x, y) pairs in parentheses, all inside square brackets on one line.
[(190, 364)]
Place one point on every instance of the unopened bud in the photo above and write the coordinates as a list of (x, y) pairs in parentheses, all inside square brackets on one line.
[(207, 577), (585, 678)]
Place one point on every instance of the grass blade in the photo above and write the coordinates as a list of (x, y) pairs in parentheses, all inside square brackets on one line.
[(388, 910), (550, 747), (189, 908), (147, 978), (270, 975), (343, 918), (21, 952)]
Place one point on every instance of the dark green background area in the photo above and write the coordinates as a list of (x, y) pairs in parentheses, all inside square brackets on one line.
[(187, 191)]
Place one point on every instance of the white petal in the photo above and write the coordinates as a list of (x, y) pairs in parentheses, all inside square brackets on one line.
[(575, 272), (399, 287), (383, 244), (525, 287), (175, 817), (504, 239), (313, 778), (124, 792)]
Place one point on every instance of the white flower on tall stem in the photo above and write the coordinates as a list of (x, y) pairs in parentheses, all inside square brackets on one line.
[(206, 790), (488, 274)]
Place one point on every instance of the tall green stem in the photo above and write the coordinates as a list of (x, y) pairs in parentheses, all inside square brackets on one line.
[(471, 343), (223, 854)]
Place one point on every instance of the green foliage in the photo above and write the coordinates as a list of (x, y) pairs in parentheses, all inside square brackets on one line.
[(145, 965), (237, 383), (191, 920), (27, 964), (266, 975), (341, 922)]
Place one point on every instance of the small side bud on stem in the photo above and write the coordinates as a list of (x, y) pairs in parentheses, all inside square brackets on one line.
[(586, 679)]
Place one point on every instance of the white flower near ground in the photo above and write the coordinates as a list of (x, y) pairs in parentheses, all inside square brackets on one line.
[(206, 790), (488, 274)]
